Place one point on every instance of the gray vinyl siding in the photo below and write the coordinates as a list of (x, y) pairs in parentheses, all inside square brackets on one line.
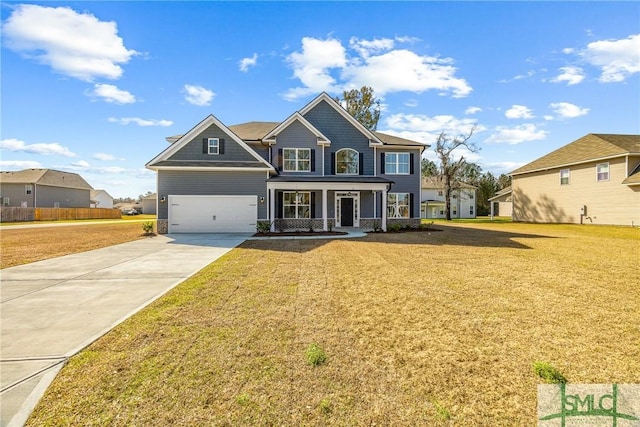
[(232, 150), (296, 135), (404, 183), (221, 183), (342, 134), (47, 197), (16, 194), (262, 150)]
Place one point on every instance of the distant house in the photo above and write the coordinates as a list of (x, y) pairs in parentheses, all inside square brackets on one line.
[(101, 199), (149, 204), (463, 200), (44, 188), (501, 204), (595, 179)]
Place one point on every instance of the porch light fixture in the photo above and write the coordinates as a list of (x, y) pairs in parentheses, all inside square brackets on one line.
[(261, 199), (163, 199)]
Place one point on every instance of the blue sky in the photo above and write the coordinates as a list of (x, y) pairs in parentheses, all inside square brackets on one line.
[(95, 87)]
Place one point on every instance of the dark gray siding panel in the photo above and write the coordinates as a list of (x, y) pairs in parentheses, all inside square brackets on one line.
[(262, 150), (342, 135), (16, 194), (404, 183), (232, 150), (227, 183), (47, 197), (296, 135)]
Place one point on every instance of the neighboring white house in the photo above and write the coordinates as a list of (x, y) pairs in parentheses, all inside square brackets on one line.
[(101, 199), (149, 204), (463, 200), (501, 204)]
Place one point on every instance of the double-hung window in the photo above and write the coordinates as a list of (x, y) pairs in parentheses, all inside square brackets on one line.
[(398, 205), (28, 189), (213, 145), (296, 204), (296, 159), (564, 176), (397, 163), (347, 162), (602, 171)]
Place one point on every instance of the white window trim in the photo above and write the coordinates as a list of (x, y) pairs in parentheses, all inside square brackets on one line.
[(5, 201), (397, 206), (357, 162), (598, 173), (297, 203), (213, 143), (568, 176), (297, 159), (28, 189), (397, 163)]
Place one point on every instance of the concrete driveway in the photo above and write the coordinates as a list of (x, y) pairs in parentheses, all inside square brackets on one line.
[(54, 308)]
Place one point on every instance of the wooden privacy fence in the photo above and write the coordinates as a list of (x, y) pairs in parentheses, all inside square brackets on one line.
[(13, 214)]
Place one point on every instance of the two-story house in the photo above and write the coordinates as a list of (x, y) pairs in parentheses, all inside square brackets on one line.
[(462, 203), (318, 169)]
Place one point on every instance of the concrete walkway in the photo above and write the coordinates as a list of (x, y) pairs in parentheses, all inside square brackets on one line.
[(52, 309)]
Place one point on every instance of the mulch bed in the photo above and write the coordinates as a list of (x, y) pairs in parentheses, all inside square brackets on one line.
[(300, 233)]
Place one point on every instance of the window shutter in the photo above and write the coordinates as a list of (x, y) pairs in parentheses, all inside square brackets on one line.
[(221, 146), (411, 203), (333, 163), (205, 146), (313, 160), (280, 166), (382, 171), (411, 170), (279, 200), (361, 164), (313, 204)]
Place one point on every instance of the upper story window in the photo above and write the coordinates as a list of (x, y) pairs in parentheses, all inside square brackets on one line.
[(347, 162), (602, 171), (397, 163), (564, 176), (296, 159), (213, 145), (28, 189)]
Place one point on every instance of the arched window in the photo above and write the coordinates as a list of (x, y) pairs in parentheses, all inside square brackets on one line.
[(347, 162)]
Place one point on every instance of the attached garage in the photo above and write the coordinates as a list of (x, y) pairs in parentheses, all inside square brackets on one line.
[(213, 214)]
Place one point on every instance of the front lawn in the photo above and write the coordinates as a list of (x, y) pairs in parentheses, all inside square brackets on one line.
[(417, 329)]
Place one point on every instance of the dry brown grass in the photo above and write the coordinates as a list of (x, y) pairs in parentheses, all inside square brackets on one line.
[(25, 245), (418, 328)]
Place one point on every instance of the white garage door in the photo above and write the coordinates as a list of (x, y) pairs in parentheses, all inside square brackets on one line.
[(212, 214)]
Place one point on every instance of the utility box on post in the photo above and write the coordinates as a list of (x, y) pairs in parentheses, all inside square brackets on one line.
[(583, 210)]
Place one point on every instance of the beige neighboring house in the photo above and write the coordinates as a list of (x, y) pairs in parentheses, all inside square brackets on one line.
[(501, 204), (149, 204), (44, 188), (593, 180), (101, 199), (463, 200)]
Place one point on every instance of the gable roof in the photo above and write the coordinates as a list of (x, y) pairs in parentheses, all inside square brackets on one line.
[(506, 190), (95, 193), (50, 177), (253, 131), (634, 177), (396, 140), (589, 148), (270, 137), (194, 132)]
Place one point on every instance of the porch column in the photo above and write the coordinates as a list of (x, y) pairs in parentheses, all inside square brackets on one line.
[(272, 209), (491, 210), (325, 226), (384, 209)]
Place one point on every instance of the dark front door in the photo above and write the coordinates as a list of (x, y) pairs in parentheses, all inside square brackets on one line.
[(346, 212)]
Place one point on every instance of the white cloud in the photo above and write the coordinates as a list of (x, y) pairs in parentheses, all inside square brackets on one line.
[(104, 157), (198, 95), (12, 165), (571, 75), (246, 63), (111, 94), (423, 128), (74, 44), (503, 167), (617, 59), (472, 110), (325, 65), (140, 122), (516, 134), (45, 149), (81, 165), (568, 110), (518, 112), (411, 103)]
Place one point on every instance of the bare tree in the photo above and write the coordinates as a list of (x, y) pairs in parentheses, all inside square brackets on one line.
[(450, 169)]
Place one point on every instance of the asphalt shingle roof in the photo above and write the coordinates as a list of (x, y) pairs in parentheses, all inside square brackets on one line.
[(588, 148), (50, 177)]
